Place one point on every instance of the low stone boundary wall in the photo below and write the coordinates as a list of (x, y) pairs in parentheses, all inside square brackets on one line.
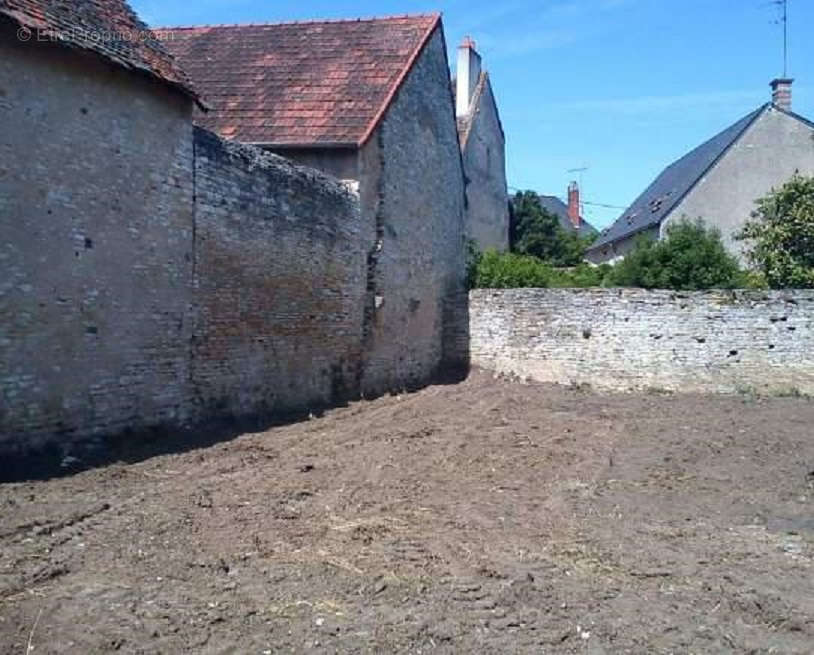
[(708, 341)]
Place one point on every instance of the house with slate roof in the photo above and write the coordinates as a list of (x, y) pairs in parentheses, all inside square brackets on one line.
[(720, 180), (483, 147)]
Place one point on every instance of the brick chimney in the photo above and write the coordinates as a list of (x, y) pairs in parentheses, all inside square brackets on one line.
[(468, 74), (781, 93), (573, 205)]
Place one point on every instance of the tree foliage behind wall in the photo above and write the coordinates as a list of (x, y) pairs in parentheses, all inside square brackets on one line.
[(537, 232), (691, 257), (780, 236)]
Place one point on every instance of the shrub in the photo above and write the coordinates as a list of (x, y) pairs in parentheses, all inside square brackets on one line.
[(781, 235), (690, 257), (496, 270), (581, 276)]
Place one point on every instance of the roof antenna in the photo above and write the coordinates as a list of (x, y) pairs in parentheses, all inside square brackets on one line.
[(580, 170), (782, 5)]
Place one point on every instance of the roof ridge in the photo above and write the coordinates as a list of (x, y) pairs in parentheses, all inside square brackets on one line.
[(308, 21)]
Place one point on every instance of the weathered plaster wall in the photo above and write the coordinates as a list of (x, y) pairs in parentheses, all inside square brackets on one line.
[(714, 341), (413, 197), (96, 225), (766, 156), (279, 283), (484, 157)]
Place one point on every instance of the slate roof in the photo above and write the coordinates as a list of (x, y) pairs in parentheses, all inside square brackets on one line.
[(673, 184), (557, 207), (316, 83), (109, 28)]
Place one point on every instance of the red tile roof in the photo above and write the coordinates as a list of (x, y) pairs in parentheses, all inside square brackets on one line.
[(314, 83), (109, 28)]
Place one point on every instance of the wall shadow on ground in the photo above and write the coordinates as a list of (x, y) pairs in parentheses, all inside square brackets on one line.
[(134, 446)]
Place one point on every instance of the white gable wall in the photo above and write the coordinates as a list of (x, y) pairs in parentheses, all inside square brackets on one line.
[(766, 156)]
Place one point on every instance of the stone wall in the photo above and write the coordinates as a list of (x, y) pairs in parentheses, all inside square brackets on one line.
[(279, 283), (153, 275), (412, 192), (712, 341), (96, 220)]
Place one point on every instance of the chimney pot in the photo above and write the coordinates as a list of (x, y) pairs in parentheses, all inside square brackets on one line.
[(573, 205), (781, 93)]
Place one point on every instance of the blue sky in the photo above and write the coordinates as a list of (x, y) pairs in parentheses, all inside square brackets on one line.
[(622, 87)]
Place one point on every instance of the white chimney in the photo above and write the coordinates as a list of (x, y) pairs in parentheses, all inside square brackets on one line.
[(468, 76)]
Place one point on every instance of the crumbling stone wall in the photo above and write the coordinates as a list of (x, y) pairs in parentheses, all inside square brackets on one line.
[(153, 275), (709, 341), (413, 195)]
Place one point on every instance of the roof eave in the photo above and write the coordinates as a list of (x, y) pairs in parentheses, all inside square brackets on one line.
[(310, 145), (185, 89)]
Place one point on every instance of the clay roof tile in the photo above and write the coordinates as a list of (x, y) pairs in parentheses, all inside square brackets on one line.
[(313, 83)]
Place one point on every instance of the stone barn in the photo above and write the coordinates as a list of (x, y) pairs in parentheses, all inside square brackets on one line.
[(155, 276), (367, 101)]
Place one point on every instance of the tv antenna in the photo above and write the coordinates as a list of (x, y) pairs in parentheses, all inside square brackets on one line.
[(783, 19), (580, 170)]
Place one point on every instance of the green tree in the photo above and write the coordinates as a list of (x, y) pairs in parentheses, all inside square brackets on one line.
[(691, 257), (536, 231), (780, 236)]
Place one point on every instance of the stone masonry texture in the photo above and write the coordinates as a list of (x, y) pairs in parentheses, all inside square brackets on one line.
[(487, 212), (96, 218), (412, 194), (706, 341), (279, 283), (156, 276)]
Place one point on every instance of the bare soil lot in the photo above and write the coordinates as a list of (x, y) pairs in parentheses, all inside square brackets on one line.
[(485, 517)]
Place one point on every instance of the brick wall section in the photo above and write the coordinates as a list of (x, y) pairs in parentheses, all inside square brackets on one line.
[(280, 283), (413, 195), (713, 341), (95, 247)]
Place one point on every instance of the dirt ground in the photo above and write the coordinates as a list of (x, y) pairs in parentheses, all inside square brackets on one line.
[(485, 517)]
